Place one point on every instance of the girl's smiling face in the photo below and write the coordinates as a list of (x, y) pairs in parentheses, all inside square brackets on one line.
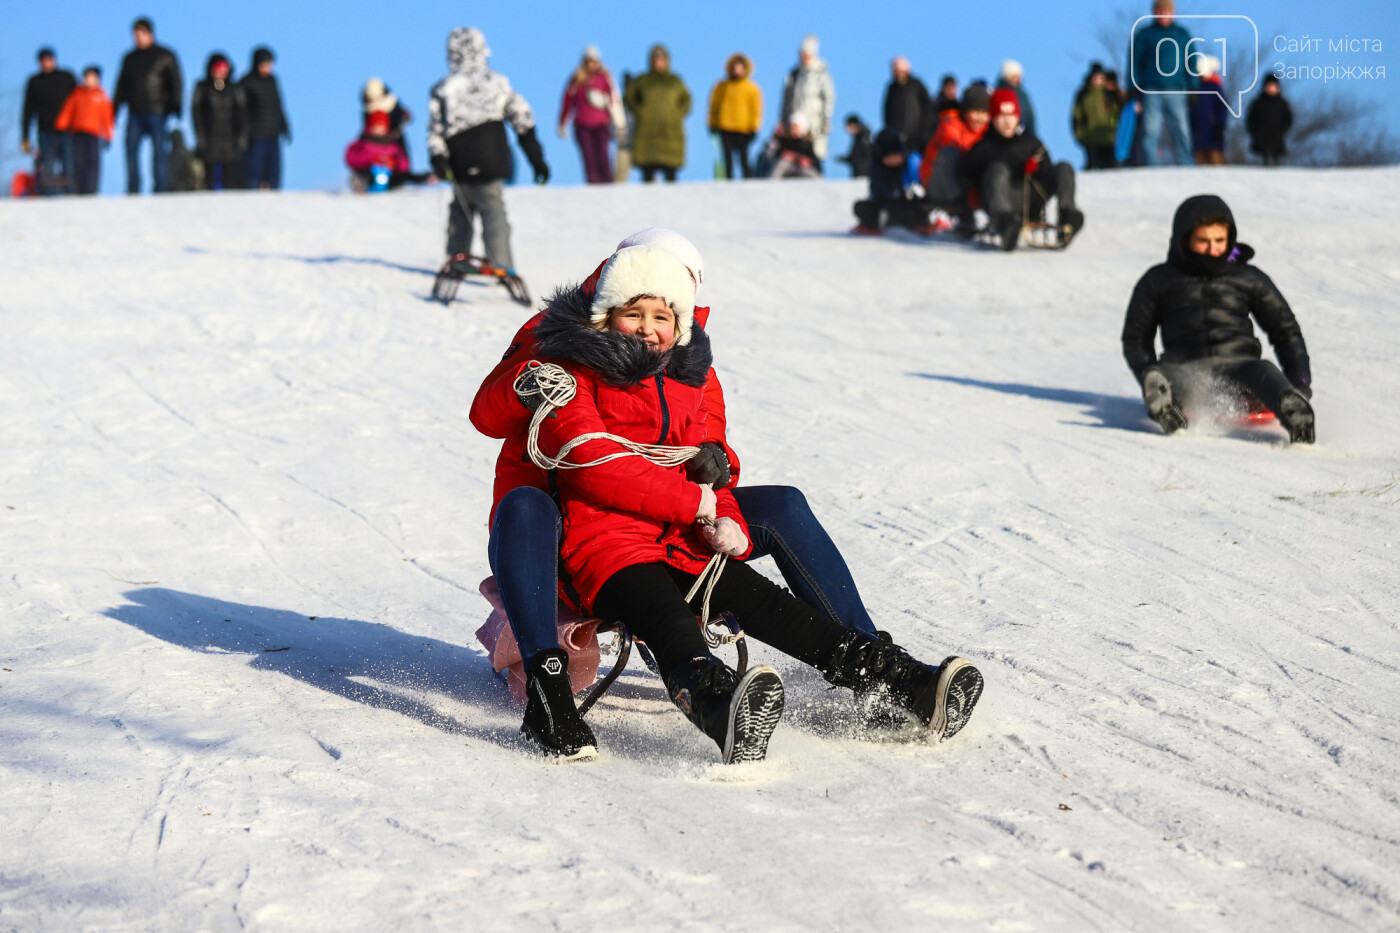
[(648, 319)]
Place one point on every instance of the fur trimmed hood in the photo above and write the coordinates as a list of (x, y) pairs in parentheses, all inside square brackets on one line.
[(565, 333)]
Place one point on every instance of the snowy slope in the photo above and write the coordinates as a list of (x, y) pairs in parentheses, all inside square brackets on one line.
[(244, 525)]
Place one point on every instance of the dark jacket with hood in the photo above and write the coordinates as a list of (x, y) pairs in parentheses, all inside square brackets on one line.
[(630, 510), (44, 97), (1203, 305), (1268, 120), (887, 181), (149, 82), (266, 118), (219, 112)]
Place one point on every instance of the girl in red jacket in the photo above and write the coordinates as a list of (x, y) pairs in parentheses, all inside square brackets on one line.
[(637, 535)]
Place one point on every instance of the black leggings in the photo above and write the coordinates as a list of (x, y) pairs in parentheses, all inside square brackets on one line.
[(649, 172), (650, 600)]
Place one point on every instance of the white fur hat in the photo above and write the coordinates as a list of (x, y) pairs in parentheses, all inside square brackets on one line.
[(646, 270), (810, 45), (1011, 69), (673, 243)]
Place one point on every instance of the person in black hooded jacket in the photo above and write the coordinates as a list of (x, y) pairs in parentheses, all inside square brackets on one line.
[(890, 202), (1202, 299), (219, 112), (267, 123)]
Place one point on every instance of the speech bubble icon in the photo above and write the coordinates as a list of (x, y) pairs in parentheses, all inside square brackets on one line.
[(1169, 62)]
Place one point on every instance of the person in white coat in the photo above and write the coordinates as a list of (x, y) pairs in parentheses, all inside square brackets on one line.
[(810, 92)]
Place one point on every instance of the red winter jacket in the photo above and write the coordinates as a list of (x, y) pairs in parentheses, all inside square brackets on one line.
[(497, 412), (952, 131), (629, 510)]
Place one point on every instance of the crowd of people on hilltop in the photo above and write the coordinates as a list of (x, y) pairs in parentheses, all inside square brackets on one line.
[(644, 117), (637, 122), (239, 125), (1170, 117)]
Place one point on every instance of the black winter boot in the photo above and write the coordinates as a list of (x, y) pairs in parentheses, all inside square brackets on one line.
[(1008, 228), (891, 686), (740, 714), (1071, 222), (551, 719), (1297, 416), (1157, 396)]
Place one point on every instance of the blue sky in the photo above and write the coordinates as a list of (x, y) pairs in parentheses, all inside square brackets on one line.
[(325, 52)]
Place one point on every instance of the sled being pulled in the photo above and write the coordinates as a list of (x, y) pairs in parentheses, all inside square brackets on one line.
[(460, 266)]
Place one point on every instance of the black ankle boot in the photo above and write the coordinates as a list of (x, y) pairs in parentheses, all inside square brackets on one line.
[(1157, 396), (1297, 416), (893, 687), (551, 719), (739, 713)]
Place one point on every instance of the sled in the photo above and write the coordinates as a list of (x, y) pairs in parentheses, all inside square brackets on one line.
[(1126, 135), (456, 269), (1036, 233), (623, 643)]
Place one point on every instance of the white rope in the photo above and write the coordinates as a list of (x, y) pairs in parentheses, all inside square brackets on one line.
[(557, 387)]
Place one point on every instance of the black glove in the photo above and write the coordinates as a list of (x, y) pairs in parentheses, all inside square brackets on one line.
[(531, 144), (527, 389), (440, 167), (710, 466), (1303, 384)]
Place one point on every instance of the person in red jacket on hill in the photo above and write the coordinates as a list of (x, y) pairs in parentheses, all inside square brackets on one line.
[(638, 533), (87, 115), (958, 131), (526, 528)]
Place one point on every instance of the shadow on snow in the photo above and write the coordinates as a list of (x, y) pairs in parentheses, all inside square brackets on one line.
[(1112, 411), (367, 662)]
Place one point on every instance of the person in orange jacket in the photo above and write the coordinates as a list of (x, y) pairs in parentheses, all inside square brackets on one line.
[(87, 115), (958, 131)]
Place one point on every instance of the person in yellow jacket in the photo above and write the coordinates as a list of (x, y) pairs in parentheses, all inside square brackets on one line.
[(736, 112)]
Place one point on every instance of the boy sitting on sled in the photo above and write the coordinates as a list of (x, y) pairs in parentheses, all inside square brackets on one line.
[(1014, 177), (1202, 298)]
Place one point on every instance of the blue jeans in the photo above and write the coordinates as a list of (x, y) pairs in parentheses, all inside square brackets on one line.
[(783, 527), (263, 163), (53, 164), (524, 555), (1166, 111), (139, 125)]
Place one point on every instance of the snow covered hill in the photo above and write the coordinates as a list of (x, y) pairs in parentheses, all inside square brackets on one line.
[(244, 524)]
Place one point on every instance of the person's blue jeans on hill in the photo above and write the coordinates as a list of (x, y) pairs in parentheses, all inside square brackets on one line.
[(1166, 112), (262, 166), (139, 125), (524, 555)]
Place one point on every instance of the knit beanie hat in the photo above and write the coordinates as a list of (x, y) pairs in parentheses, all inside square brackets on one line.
[(1004, 100), (976, 98), (646, 270)]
